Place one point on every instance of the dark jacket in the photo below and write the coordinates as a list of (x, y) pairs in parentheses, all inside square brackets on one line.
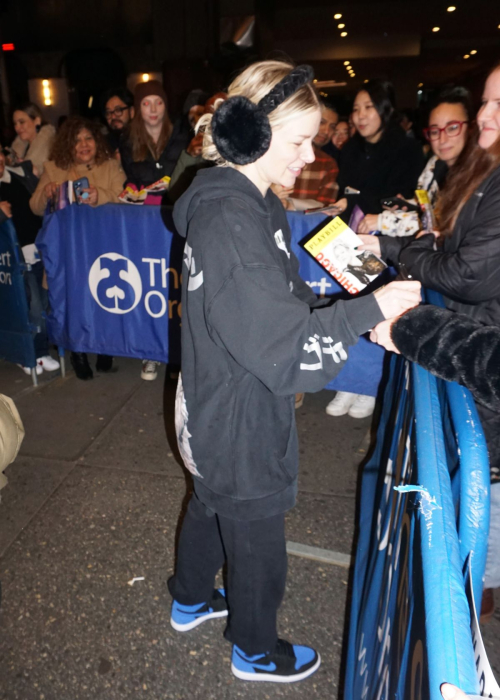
[(466, 270), (18, 193), (252, 336), (453, 347), (144, 172), (379, 170)]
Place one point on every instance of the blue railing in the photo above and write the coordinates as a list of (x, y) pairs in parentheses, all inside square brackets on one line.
[(424, 510)]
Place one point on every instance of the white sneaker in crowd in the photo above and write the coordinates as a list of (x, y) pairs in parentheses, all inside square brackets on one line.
[(27, 370), (341, 404), (47, 363), (149, 372), (362, 407)]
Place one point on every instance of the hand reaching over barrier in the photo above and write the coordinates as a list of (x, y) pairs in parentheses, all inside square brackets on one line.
[(397, 297)]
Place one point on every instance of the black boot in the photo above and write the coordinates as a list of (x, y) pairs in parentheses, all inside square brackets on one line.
[(81, 365), (104, 363)]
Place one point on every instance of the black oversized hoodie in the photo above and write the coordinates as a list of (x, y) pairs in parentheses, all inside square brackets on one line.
[(251, 339)]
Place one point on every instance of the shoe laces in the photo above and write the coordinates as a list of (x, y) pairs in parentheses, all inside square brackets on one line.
[(284, 648)]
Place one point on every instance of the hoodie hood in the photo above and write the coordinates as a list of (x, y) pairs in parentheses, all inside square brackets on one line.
[(218, 183)]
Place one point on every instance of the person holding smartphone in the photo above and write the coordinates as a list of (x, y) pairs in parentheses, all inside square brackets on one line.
[(80, 151)]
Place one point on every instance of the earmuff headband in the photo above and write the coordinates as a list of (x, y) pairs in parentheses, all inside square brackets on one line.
[(240, 128)]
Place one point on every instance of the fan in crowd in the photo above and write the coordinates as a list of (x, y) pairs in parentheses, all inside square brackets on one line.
[(34, 137), (118, 110), (376, 162), (80, 150), (17, 184), (447, 133)]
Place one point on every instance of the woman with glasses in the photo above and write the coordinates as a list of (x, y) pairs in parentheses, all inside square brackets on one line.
[(447, 133), (462, 262)]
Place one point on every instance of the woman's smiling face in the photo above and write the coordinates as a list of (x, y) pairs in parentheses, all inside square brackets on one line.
[(488, 117)]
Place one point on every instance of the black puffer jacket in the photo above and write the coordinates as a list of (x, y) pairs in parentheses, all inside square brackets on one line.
[(379, 170), (466, 270)]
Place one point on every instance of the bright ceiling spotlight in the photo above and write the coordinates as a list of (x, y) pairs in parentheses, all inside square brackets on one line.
[(467, 55), (473, 52), (451, 8), (346, 63), (145, 77), (341, 26), (436, 29), (337, 16), (343, 34)]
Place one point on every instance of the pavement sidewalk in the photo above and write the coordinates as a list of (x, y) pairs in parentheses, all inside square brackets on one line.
[(94, 500)]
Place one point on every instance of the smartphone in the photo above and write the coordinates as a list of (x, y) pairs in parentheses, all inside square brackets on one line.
[(399, 203), (78, 186)]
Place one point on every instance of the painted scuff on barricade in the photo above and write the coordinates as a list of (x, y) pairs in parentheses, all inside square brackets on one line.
[(410, 620)]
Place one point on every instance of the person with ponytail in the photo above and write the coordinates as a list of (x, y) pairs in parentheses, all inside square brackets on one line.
[(253, 335)]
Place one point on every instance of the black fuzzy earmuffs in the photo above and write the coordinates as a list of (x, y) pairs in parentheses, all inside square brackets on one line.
[(240, 128)]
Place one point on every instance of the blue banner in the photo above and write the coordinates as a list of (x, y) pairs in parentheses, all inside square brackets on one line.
[(410, 620), (114, 276), (16, 336)]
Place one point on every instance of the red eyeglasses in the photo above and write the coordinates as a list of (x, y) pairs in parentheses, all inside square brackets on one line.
[(433, 133)]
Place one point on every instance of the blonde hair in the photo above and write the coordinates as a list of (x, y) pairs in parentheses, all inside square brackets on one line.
[(254, 83)]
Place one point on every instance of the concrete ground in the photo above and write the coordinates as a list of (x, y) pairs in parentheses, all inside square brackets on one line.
[(94, 500)]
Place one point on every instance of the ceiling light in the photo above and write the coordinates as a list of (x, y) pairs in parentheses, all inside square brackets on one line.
[(341, 25), (473, 52), (352, 75), (145, 77), (419, 92), (342, 34), (346, 63), (45, 83), (451, 8), (315, 81), (436, 29), (366, 80), (467, 55), (420, 85), (337, 16)]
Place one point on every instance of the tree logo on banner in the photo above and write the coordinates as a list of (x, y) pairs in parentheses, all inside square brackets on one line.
[(123, 289)]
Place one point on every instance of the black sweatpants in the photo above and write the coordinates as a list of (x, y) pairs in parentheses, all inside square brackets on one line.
[(256, 557)]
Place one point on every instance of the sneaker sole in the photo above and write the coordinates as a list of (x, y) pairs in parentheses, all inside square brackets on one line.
[(199, 620), (336, 413), (149, 377), (244, 676)]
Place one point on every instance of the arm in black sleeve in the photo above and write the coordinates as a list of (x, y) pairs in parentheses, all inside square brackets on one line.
[(470, 274), (454, 347), (404, 177), (277, 337), (391, 247)]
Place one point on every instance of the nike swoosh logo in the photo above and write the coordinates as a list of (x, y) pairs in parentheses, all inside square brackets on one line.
[(270, 667), (261, 667)]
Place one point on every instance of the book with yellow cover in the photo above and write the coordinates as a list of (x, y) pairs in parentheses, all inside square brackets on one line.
[(335, 248)]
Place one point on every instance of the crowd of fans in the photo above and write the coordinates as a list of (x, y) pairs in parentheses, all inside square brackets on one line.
[(360, 160)]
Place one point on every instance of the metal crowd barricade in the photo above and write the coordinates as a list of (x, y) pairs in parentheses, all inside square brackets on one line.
[(424, 510)]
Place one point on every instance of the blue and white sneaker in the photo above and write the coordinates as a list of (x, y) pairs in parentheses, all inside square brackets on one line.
[(185, 617), (286, 664)]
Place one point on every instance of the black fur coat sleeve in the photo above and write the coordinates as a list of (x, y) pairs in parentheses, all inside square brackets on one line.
[(454, 347)]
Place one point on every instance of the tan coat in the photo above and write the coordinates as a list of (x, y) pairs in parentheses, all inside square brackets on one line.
[(38, 151), (107, 178)]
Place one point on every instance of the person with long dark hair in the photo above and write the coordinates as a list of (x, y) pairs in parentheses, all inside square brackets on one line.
[(450, 118), (378, 161), (152, 146), (464, 265)]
